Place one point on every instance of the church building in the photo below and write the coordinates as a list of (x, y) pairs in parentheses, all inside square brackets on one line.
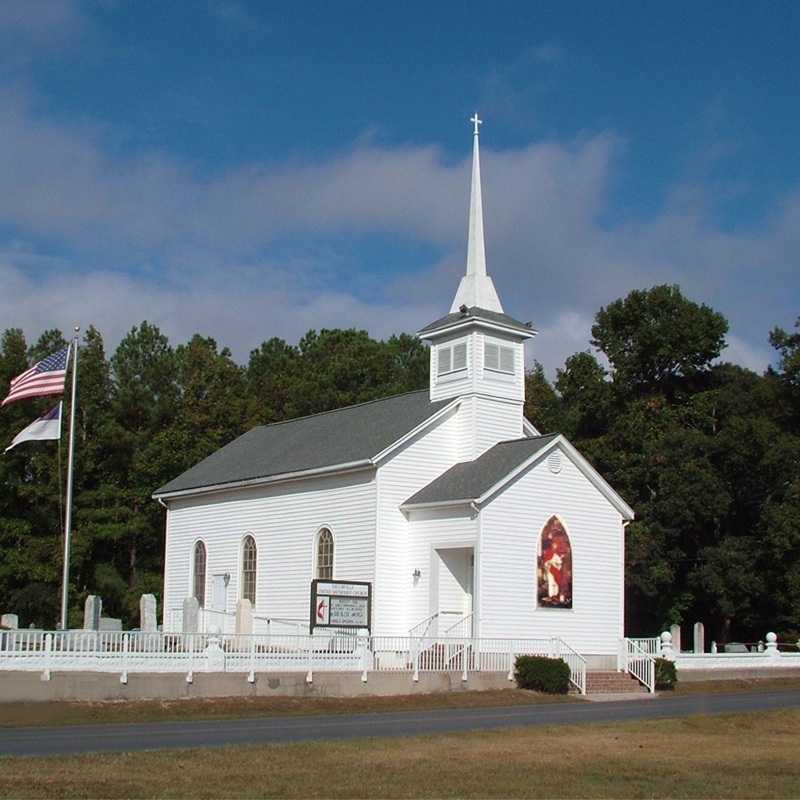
[(465, 519)]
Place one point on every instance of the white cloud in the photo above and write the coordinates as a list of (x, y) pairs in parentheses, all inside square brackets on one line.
[(192, 250)]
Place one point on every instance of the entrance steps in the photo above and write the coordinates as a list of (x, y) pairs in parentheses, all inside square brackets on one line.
[(613, 683)]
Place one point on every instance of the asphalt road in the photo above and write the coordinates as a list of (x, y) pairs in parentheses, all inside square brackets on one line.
[(71, 739)]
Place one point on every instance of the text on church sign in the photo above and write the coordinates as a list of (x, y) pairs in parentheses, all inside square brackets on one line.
[(341, 604)]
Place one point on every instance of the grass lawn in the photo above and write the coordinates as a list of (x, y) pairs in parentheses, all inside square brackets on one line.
[(74, 713), (731, 756)]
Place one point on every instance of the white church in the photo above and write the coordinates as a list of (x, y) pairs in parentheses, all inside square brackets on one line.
[(459, 513)]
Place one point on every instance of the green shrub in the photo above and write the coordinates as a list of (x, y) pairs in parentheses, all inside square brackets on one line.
[(542, 674), (666, 674)]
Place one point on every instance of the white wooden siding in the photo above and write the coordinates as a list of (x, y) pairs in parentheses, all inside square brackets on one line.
[(415, 465), (284, 520), (510, 528), (498, 421)]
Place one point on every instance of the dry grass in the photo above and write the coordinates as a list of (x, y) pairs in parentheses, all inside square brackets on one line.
[(75, 713), (733, 756)]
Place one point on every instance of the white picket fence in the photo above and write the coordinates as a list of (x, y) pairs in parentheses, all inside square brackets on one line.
[(124, 652)]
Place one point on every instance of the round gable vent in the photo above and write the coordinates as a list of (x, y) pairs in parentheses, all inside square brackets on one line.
[(554, 462)]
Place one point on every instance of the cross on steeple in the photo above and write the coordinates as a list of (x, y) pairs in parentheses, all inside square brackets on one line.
[(476, 121)]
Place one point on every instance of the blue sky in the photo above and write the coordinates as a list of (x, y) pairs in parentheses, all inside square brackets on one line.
[(250, 169)]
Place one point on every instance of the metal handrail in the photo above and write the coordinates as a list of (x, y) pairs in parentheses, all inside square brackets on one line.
[(576, 663), (427, 622), (640, 664), (462, 621)]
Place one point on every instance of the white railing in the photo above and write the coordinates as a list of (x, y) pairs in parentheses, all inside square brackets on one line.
[(576, 663), (651, 645), (272, 625), (326, 651), (430, 625), (640, 664), (460, 628)]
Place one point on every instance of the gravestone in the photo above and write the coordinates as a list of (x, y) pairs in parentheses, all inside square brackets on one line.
[(10, 621), (191, 615), (214, 654), (675, 630), (92, 609), (736, 647), (699, 637), (110, 624), (244, 617), (148, 619)]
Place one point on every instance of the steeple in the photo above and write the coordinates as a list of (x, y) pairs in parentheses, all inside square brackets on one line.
[(476, 287)]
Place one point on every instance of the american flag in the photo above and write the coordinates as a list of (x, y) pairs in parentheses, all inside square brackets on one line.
[(46, 377)]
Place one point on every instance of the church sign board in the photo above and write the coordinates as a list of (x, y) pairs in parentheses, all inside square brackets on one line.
[(341, 604)]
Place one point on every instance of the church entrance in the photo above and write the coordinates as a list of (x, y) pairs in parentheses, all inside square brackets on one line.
[(455, 590)]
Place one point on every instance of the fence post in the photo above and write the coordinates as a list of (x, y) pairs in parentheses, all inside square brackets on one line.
[(464, 656), (190, 639), (124, 677), (416, 649), (510, 660), (310, 673), (251, 676), (48, 649), (364, 660), (666, 646), (772, 646)]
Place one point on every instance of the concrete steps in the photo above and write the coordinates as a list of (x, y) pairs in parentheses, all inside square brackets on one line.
[(612, 683)]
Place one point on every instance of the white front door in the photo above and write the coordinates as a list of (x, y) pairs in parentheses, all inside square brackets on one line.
[(455, 589), (219, 593)]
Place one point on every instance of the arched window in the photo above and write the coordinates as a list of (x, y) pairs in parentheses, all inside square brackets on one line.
[(325, 554), (200, 573), (249, 557), (554, 573)]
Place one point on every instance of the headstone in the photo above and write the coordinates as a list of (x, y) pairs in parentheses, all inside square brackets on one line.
[(148, 620), (9, 621), (191, 615), (244, 618), (736, 647), (110, 624), (675, 630), (713, 647), (215, 655), (699, 637), (92, 609)]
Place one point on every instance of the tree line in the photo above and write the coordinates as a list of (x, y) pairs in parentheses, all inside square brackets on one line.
[(707, 453)]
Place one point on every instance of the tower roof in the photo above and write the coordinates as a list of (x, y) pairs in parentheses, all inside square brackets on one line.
[(476, 287)]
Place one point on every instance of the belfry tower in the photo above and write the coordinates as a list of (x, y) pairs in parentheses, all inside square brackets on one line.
[(477, 351)]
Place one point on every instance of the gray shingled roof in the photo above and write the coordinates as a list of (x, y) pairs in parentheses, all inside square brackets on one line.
[(474, 312), (354, 433), (469, 480)]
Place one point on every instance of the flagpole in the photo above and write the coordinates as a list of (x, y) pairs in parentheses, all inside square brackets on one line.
[(70, 461)]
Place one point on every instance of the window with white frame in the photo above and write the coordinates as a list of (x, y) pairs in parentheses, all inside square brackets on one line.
[(200, 573), (498, 357), (451, 357), (249, 559), (325, 554)]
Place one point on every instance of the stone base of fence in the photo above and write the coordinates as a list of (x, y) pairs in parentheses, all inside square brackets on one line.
[(18, 686), (737, 673)]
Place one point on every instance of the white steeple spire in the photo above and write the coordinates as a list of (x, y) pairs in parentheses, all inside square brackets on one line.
[(476, 287)]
